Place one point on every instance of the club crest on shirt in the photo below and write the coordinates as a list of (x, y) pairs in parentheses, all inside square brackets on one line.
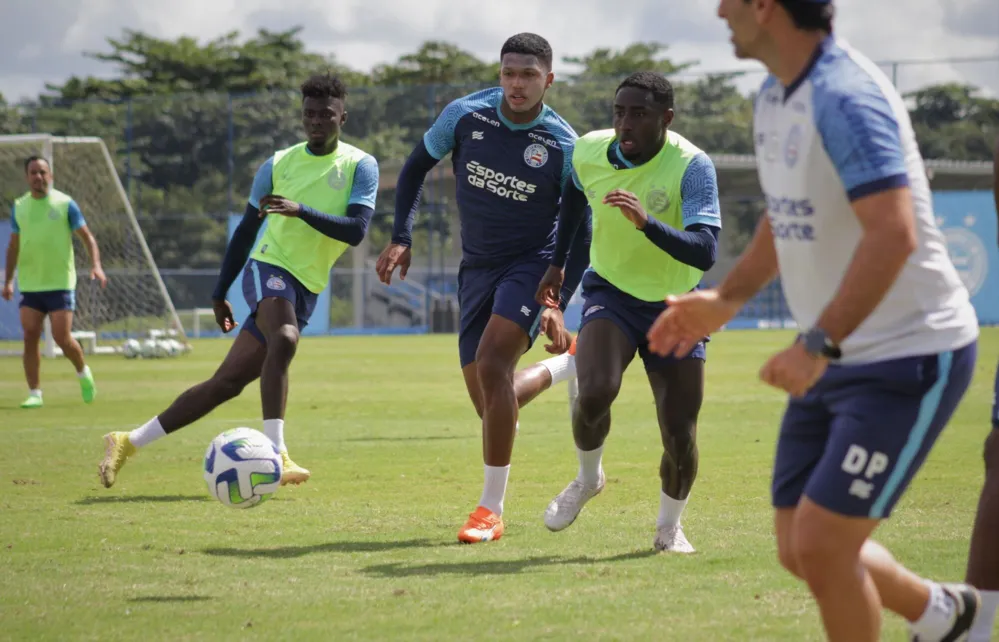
[(535, 155), (336, 178), (792, 146), (275, 283), (657, 201), (53, 214)]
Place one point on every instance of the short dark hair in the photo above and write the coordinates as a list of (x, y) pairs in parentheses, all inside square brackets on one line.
[(529, 44), (31, 159), (324, 86), (653, 82), (810, 16)]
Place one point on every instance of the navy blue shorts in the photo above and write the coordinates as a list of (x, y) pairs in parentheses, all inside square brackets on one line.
[(854, 442), (51, 301), (602, 300), (507, 291), (262, 281)]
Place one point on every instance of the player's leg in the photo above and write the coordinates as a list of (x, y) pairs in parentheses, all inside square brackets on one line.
[(240, 367), (61, 315), (983, 556), (603, 352), (678, 388), (32, 321), (860, 476)]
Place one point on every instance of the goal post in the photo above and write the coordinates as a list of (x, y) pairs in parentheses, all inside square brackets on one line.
[(136, 300)]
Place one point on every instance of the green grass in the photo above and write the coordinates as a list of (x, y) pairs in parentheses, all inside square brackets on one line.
[(366, 550)]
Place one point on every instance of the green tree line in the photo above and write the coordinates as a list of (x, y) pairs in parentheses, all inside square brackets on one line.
[(189, 122)]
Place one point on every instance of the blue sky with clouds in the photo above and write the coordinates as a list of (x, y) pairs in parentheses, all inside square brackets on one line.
[(44, 45)]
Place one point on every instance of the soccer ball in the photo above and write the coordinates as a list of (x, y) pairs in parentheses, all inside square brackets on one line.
[(242, 468), (131, 349), (149, 349), (162, 348)]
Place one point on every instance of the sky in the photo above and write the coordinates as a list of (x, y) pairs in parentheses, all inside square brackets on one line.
[(45, 44)]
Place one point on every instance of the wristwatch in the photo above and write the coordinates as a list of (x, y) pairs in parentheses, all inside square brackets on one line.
[(818, 343)]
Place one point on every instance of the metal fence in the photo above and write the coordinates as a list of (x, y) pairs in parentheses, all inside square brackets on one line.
[(187, 161)]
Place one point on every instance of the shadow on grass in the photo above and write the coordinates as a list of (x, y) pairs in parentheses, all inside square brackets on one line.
[(414, 438), (497, 567), (285, 552), (138, 499), (156, 599)]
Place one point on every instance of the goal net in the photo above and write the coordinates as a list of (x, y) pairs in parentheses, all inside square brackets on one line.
[(135, 302)]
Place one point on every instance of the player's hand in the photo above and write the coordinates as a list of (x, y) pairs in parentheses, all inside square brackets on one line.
[(274, 204), (8, 291), (97, 274), (394, 255), (687, 320), (223, 315), (794, 370), (553, 327), (629, 205), (550, 289)]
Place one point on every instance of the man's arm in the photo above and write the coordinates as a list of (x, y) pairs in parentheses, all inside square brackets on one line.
[(245, 234), (13, 249), (889, 237), (572, 212), (79, 226), (756, 267), (92, 249), (697, 245), (578, 259), (351, 227), (861, 136)]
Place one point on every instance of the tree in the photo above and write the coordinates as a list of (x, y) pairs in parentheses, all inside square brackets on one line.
[(952, 122)]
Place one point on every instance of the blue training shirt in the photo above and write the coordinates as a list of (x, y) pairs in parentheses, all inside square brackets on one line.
[(509, 177)]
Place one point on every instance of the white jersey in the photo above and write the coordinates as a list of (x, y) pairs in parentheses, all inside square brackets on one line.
[(839, 133)]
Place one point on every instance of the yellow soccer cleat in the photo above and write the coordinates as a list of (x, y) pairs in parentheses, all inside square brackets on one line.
[(292, 473), (117, 449)]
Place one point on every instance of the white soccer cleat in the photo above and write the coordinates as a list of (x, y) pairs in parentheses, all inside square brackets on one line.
[(672, 539), (565, 508)]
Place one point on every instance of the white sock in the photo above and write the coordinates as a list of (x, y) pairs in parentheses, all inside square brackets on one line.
[(37, 392), (589, 466), (83, 373), (981, 630), (562, 367), (147, 433), (494, 489), (669, 510), (938, 617), (274, 429)]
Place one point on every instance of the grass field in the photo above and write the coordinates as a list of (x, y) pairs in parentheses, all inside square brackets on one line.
[(367, 551)]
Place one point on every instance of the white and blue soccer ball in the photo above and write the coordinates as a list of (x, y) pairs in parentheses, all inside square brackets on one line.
[(242, 468), (149, 349), (131, 349)]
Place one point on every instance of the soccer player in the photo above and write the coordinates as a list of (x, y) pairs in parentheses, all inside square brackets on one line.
[(983, 558), (511, 155), (320, 195), (888, 335), (43, 221), (630, 175)]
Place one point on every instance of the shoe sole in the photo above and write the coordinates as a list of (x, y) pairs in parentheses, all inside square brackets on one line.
[(294, 479), (494, 538), (105, 465), (578, 512), (965, 620)]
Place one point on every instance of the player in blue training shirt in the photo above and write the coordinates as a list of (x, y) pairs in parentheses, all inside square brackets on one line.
[(511, 156), (983, 558), (888, 337)]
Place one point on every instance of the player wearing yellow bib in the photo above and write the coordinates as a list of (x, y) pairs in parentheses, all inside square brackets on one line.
[(656, 220), (40, 250), (321, 196)]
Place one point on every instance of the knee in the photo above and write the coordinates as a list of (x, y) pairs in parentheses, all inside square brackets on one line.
[(32, 336), (991, 454), (228, 386), (284, 340), (786, 556), (65, 341), (493, 371), (680, 431), (595, 397), (817, 549)]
